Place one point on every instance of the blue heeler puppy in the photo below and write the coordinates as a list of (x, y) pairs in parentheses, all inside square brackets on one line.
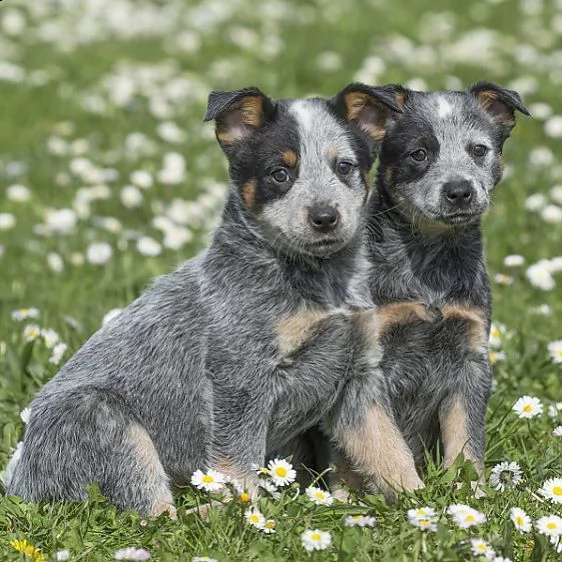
[(244, 346), (438, 166)]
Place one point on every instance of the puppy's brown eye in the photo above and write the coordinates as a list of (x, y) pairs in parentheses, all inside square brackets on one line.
[(479, 150), (419, 155), (280, 175), (344, 168)]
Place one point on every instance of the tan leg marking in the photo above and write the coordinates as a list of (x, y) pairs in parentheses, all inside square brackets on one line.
[(454, 434), (293, 331), (476, 320), (402, 313), (378, 450), (149, 462)]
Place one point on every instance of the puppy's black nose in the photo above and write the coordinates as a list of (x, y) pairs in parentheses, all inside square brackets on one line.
[(458, 193), (323, 219)]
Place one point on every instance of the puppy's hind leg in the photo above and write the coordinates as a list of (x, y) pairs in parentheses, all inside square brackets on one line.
[(138, 475), (89, 437)]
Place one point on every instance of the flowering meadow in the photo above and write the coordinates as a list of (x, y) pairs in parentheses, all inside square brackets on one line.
[(109, 178)]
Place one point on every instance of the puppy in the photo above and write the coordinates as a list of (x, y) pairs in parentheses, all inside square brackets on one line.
[(244, 346), (438, 166)]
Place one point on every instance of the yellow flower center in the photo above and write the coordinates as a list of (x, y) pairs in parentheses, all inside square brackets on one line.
[(481, 547), (470, 517), (319, 495), (270, 524), (207, 479), (558, 352), (254, 518), (493, 357), (527, 408), (557, 490), (244, 497), (424, 522), (357, 517), (495, 333), (519, 520), (281, 471), (316, 537), (551, 525)]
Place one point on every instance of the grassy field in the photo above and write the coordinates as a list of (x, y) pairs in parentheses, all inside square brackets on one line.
[(108, 177)]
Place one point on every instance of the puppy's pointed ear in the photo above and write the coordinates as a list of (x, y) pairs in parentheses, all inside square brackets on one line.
[(238, 114), (371, 108), (498, 102)]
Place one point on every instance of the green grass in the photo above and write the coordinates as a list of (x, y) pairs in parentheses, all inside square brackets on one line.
[(280, 47)]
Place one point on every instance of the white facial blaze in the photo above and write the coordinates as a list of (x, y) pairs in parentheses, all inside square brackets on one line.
[(444, 108), (319, 135)]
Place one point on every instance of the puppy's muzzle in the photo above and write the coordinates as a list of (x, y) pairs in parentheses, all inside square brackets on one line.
[(323, 219), (458, 194)]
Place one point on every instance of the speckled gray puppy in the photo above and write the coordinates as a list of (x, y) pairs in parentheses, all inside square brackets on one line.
[(438, 166), (244, 346)]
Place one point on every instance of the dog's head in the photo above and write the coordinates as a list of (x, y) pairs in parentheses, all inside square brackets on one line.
[(300, 167), (442, 159)]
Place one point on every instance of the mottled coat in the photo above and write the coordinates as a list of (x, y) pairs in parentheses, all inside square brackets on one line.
[(264, 334)]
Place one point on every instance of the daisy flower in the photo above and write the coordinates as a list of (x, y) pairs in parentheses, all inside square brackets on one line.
[(25, 413), (131, 553), (359, 521), (502, 279), (314, 539), (520, 519), (28, 550), (423, 517), (281, 472), (514, 260), (495, 337), (557, 431), (552, 490), (555, 409), (62, 555), (465, 516), (527, 407), (550, 525), (203, 559), (211, 481), (58, 352), (555, 350), (540, 276), (480, 547), (423, 524), (269, 527), (505, 475), (32, 332), (99, 253), (25, 314), (50, 337), (244, 497), (500, 559), (557, 543), (255, 517), (319, 496), (271, 489), (496, 356)]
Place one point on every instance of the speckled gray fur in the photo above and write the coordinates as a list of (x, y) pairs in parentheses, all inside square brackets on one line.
[(190, 375), (425, 250)]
